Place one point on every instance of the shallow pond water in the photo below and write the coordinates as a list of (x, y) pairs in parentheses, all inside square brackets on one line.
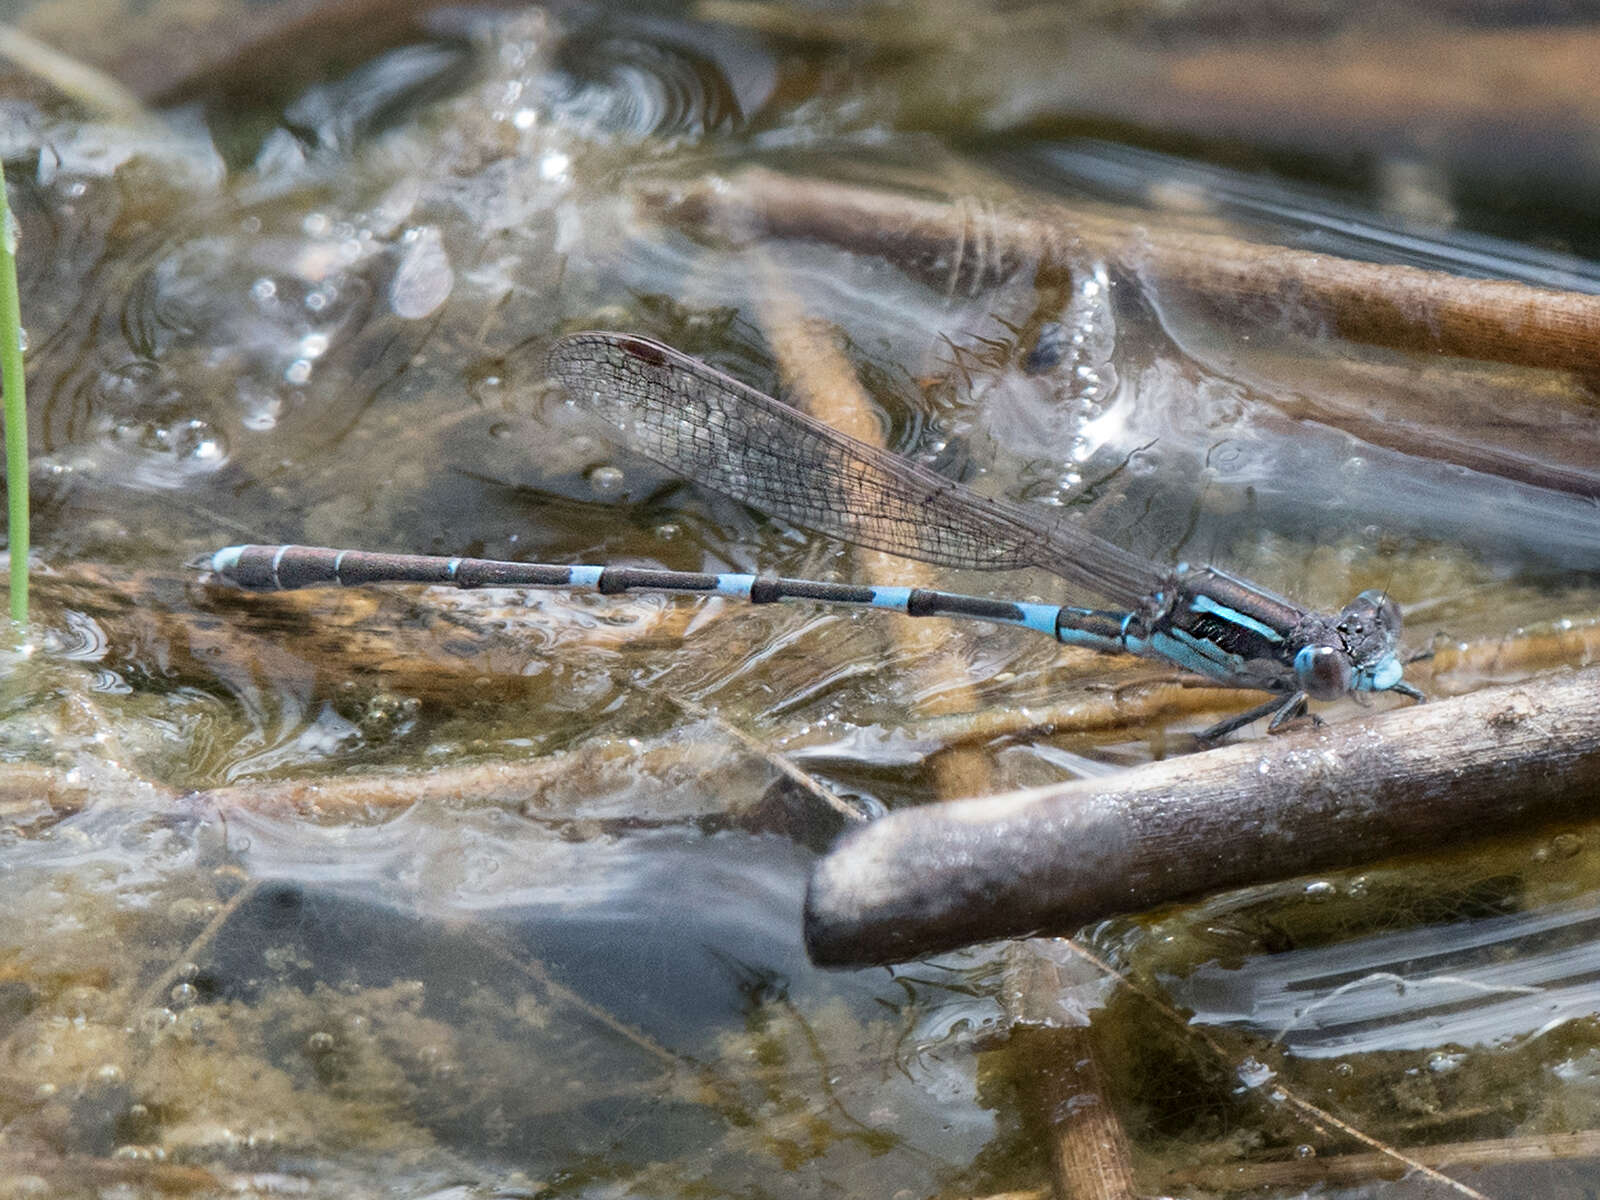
[(415, 893)]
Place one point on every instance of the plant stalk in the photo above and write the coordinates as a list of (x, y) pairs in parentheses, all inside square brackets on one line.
[(16, 410)]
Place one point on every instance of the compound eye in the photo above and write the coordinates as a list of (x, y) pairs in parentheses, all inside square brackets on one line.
[(1324, 672)]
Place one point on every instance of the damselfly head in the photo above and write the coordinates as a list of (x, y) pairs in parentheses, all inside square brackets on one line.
[(1370, 626), (1352, 652)]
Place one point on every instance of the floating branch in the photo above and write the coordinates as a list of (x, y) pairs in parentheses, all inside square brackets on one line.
[(166, 57), (1052, 859)]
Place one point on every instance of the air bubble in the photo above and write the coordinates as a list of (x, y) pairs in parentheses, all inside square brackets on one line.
[(607, 481), (196, 441)]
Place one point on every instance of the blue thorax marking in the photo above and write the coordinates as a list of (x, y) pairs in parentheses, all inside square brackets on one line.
[(1378, 676), (1205, 604), (1381, 675), (1196, 654)]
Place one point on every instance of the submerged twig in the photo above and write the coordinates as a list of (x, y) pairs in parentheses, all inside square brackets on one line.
[(1492, 96), (928, 879), (167, 57), (98, 1175), (776, 759), (1049, 991), (34, 795), (1304, 1110), (1345, 1169), (156, 996), (443, 647), (530, 787), (1538, 428), (1090, 1158), (1382, 304), (825, 385)]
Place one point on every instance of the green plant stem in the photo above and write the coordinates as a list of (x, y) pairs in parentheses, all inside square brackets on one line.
[(16, 409)]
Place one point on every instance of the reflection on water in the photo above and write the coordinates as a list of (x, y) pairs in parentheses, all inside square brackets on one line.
[(502, 891), (1468, 985)]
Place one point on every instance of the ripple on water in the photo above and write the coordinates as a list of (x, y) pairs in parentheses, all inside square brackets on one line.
[(645, 79)]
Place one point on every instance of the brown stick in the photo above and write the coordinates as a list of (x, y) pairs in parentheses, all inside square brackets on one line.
[(1473, 90), (1089, 1154), (33, 795), (1539, 429), (971, 245), (432, 647), (1052, 859), (552, 787), (166, 56)]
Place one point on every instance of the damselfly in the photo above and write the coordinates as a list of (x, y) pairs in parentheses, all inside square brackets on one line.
[(712, 429)]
